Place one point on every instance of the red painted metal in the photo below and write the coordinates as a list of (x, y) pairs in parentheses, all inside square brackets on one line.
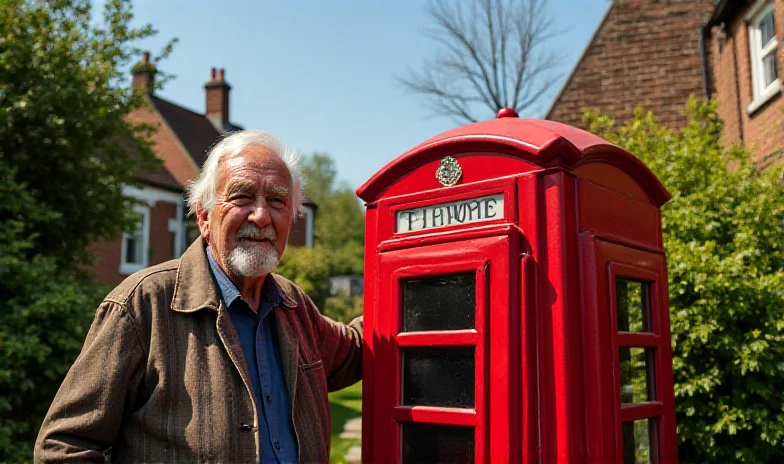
[(520, 145), (577, 211), (507, 113)]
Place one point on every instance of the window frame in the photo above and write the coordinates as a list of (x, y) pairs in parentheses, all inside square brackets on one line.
[(760, 92), (128, 267)]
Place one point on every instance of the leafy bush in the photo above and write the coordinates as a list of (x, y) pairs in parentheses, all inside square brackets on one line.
[(725, 250), (66, 152), (309, 269)]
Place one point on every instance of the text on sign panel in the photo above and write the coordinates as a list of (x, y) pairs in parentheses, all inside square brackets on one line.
[(466, 211)]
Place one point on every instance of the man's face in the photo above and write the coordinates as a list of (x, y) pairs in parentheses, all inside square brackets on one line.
[(249, 225)]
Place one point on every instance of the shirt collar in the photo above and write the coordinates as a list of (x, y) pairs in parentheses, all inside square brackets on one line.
[(270, 297)]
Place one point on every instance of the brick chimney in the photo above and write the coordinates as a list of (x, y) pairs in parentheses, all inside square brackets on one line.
[(217, 90), (144, 74)]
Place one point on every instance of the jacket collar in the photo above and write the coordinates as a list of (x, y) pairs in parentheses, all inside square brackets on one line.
[(195, 288)]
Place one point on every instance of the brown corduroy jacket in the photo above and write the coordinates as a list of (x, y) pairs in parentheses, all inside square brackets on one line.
[(162, 377)]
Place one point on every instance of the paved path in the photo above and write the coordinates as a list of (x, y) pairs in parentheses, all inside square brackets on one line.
[(353, 429)]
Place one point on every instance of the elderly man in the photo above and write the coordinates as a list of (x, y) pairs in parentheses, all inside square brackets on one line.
[(211, 357)]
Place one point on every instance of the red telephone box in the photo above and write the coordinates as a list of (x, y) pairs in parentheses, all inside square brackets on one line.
[(516, 305)]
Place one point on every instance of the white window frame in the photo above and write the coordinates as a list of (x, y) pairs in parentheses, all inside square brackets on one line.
[(130, 268), (151, 196), (308, 226), (761, 93)]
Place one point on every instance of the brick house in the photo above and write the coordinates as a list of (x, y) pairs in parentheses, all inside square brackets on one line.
[(655, 54), (745, 40), (181, 140)]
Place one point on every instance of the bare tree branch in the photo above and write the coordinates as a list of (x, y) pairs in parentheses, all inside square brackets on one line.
[(492, 55), (454, 25)]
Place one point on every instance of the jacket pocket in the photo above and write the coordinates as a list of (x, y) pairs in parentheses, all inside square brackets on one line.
[(311, 413), (310, 366)]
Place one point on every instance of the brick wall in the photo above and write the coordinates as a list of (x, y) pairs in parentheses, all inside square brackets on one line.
[(107, 261), (161, 240), (763, 130), (645, 53), (107, 252), (176, 160)]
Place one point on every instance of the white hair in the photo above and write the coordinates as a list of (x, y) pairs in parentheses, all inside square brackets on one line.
[(202, 190)]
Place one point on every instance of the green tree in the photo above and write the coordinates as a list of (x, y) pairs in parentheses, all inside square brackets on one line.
[(66, 150), (344, 308), (340, 220), (725, 249), (339, 241), (309, 269), (63, 127), (44, 316)]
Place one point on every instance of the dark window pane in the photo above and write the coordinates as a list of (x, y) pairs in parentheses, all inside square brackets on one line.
[(438, 377), (133, 242), (767, 29), (443, 444), (639, 442), (439, 303), (633, 303), (637, 375), (770, 68), (131, 251)]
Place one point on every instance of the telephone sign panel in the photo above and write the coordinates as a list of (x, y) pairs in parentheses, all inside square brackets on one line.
[(465, 211), (516, 301)]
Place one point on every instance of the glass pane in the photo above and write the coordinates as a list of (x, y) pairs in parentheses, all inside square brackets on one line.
[(439, 303), (636, 375), (767, 29), (132, 250), (438, 377), (430, 443), (633, 304), (639, 441), (770, 68), (133, 242)]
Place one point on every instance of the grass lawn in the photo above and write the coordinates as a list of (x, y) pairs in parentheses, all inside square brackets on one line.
[(346, 404)]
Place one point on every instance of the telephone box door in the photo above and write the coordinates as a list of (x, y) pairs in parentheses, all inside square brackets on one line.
[(632, 415), (443, 351)]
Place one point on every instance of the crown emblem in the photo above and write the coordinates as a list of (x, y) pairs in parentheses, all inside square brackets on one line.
[(448, 172)]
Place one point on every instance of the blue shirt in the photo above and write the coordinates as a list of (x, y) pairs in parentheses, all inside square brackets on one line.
[(259, 345)]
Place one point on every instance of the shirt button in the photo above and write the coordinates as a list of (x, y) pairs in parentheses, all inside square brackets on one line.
[(246, 427), (277, 445), (269, 399)]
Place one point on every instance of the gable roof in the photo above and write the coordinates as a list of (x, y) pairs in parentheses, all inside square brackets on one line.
[(724, 11), (160, 178), (196, 132)]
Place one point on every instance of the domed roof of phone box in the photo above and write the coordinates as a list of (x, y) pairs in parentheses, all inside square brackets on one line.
[(541, 144)]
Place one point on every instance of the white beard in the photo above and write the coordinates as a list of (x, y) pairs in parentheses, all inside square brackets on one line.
[(254, 260)]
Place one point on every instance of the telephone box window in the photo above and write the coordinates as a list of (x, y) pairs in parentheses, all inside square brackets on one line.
[(441, 376), (638, 438), (428, 443), (439, 303), (636, 375), (633, 303)]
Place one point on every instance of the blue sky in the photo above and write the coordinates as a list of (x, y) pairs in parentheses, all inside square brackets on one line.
[(321, 74)]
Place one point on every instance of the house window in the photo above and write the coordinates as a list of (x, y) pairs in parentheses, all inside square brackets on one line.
[(763, 45), (136, 243), (308, 212)]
